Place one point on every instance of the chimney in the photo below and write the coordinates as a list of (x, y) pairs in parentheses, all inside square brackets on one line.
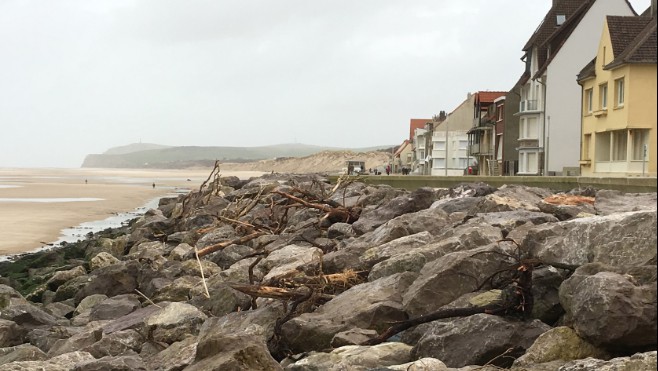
[(653, 8), (442, 115)]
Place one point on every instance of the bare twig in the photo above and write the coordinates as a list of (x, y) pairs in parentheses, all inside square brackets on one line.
[(147, 298), (203, 278), (237, 241)]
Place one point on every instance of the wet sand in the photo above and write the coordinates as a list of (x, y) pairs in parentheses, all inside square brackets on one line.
[(65, 200)]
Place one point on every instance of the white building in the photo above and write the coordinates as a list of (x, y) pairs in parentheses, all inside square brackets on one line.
[(549, 111), (449, 152)]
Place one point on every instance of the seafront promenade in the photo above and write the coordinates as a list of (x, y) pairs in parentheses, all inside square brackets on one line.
[(560, 183)]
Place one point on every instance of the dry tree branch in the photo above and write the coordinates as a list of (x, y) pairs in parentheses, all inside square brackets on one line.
[(274, 292), (147, 298), (203, 277), (218, 246)]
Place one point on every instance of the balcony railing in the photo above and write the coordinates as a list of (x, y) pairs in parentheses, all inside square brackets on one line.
[(527, 105)]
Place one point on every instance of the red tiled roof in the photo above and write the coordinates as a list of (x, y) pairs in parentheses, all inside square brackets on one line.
[(488, 96), (416, 124)]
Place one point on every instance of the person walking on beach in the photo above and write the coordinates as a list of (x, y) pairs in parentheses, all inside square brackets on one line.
[(153, 185)]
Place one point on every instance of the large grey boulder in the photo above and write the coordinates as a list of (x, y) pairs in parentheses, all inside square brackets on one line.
[(175, 322), (370, 305), (175, 357), (636, 362), (477, 339), (29, 316), (116, 344), (102, 259), (419, 199), (114, 247), (237, 351), (398, 246), (85, 336), (11, 333), (116, 279), (23, 352), (609, 310), (115, 307), (612, 202), (447, 278), (559, 344), (223, 299), (622, 239), (131, 362), (64, 362), (507, 221), (290, 259), (354, 358), (61, 277)]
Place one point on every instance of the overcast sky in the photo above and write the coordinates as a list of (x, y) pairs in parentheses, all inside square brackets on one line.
[(82, 76)]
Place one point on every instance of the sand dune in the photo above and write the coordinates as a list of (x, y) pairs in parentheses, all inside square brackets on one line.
[(26, 226)]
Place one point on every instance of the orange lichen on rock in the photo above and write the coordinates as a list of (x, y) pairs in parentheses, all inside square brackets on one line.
[(563, 199)]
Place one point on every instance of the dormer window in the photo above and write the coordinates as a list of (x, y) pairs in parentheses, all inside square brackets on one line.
[(560, 18)]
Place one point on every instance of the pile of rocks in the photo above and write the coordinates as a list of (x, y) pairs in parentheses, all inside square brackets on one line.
[(142, 301)]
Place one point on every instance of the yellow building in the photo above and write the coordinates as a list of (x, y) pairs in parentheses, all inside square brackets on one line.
[(619, 101)]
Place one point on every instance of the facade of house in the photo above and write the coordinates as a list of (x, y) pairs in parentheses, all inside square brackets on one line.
[(549, 108), (481, 136), (403, 157), (450, 142), (417, 136), (419, 154), (619, 100), (499, 118), (510, 164)]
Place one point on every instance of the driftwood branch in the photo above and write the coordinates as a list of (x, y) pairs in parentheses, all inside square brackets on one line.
[(221, 245), (276, 292)]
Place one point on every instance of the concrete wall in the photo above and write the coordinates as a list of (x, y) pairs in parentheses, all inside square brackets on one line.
[(557, 183)]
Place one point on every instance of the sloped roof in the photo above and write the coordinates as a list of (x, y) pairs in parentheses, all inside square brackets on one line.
[(560, 34), (633, 40), (416, 124), (401, 148), (588, 71), (488, 96), (549, 26), (550, 35)]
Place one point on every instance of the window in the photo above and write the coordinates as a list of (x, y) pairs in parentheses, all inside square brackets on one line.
[(612, 146), (586, 146), (589, 100), (603, 59), (528, 128), (619, 145), (500, 112), (439, 163), (441, 145), (462, 163), (528, 162), (463, 144), (602, 147), (639, 139), (603, 96), (619, 92)]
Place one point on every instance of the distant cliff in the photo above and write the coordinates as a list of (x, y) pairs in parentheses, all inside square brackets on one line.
[(190, 156)]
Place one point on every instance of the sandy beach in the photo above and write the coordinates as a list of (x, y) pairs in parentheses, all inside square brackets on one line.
[(37, 204)]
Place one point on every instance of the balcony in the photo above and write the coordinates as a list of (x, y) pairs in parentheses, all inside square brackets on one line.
[(601, 113), (527, 105)]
